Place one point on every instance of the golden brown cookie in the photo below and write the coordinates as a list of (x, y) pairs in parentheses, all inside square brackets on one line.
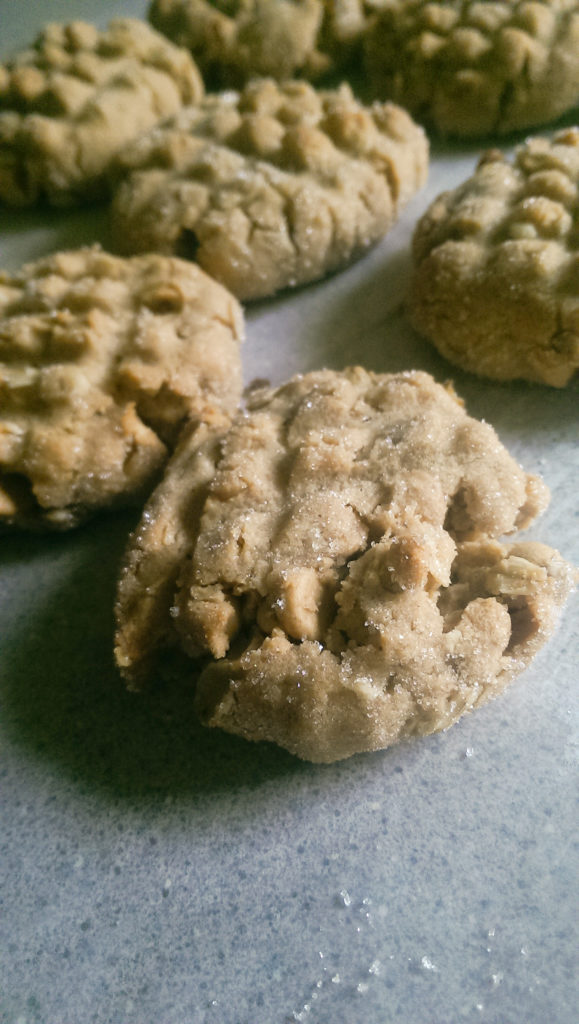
[(269, 188), (234, 41), (72, 100), (329, 565), (476, 67), (496, 265), (102, 360)]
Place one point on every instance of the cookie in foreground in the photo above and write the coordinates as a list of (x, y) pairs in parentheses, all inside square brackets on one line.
[(469, 68), (269, 188), (496, 265), (75, 97), (326, 570), (102, 360)]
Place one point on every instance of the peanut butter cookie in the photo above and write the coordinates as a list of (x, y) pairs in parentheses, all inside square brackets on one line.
[(269, 188), (496, 276), (328, 564), (475, 67), (236, 40), (242, 39), (102, 360), (72, 100)]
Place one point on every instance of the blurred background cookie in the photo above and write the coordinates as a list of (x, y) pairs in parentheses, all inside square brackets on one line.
[(235, 40), (333, 554), (496, 265), (477, 67), (68, 103), (269, 188), (102, 360)]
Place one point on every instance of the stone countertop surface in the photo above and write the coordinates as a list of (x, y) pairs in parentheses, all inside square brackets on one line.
[(154, 872)]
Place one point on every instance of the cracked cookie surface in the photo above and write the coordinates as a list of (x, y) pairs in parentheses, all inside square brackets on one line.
[(236, 40), (329, 565), (79, 94), (477, 67), (102, 360), (496, 265), (269, 188)]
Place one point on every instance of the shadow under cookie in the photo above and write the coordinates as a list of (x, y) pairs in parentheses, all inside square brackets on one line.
[(61, 694)]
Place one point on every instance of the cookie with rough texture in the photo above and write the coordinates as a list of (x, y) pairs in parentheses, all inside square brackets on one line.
[(328, 564), (496, 265), (72, 100), (236, 40), (102, 361), (269, 188), (475, 67)]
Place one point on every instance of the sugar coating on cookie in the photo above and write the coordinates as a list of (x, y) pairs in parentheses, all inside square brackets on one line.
[(496, 265), (329, 563), (269, 188), (242, 39), (475, 67), (72, 100), (102, 361)]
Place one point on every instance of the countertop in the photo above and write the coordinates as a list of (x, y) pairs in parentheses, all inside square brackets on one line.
[(154, 872)]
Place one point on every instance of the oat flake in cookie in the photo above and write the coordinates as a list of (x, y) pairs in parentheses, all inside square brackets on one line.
[(476, 67), (72, 100), (496, 265), (102, 360), (329, 565), (269, 188)]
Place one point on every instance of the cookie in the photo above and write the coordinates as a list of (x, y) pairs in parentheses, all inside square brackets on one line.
[(329, 566), (238, 40), (496, 265), (269, 188), (475, 67), (72, 100), (102, 361)]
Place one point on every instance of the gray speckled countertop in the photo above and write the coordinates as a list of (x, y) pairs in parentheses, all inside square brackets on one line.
[(157, 873)]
